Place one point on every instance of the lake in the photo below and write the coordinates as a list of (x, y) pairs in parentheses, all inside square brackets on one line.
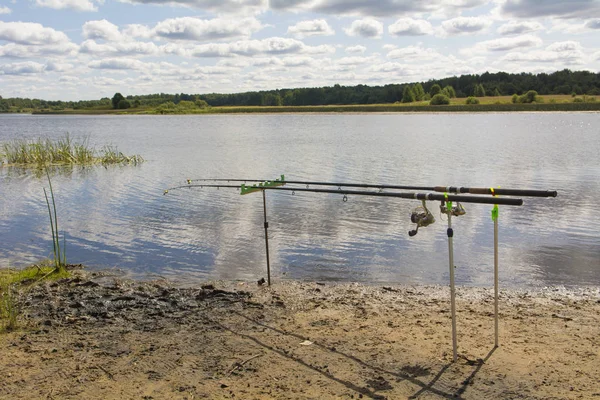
[(118, 217)]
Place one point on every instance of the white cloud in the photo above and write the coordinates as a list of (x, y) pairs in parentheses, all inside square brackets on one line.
[(273, 45), (120, 48), (101, 29), (137, 31), (504, 44), (410, 27), (248, 48), (5, 10), (117, 64), (77, 5), (368, 28), (354, 60), (567, 52), (310, 28), (568, 45), (298, 61), (392, 67), (58, 67), (234, 63), (593, 24), (30, 33), (380, 8), (221, 6), (23, 68), (188, 28), (209, 50), (28, 51), (414, 53), (358, 49), (551, 8), (519, 27), (465, 25)]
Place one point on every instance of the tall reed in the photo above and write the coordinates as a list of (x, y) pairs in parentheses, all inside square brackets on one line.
[(60, 255)]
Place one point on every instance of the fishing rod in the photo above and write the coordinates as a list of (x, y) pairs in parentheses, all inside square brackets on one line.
[(421, 215), (441, 189), (404, 195)]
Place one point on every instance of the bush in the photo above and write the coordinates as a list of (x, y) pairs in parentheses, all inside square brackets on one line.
[(439, 99), (186, 105), (515, 98), (166, 108), (472, 100), (529, 97), (201, 103), (578, 100), (124, 104)]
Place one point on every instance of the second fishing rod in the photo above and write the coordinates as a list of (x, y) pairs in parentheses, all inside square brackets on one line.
[(439, 189)]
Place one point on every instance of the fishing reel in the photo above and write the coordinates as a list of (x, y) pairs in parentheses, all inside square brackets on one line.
[(422, 217), (456, 211)]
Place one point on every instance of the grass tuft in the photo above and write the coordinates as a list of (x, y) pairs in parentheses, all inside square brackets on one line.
[(12, 284), (63, 151)]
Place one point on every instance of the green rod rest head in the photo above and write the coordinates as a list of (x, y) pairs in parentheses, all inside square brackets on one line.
[(258, 187)]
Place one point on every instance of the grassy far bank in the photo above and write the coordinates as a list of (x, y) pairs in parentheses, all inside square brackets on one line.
[(486, 104)]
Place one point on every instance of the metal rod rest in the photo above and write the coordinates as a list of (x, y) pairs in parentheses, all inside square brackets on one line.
[(267, 238), (450, 234), (496, 342)]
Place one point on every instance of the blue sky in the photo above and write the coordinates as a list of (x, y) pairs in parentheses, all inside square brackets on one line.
[(88, 49)]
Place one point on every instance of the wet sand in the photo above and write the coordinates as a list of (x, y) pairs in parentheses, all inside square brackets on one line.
[(99, 337)]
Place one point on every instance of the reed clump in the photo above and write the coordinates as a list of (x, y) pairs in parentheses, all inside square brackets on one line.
[(63, 151)]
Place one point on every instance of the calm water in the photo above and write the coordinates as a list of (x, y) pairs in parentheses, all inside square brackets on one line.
[(117, 217)]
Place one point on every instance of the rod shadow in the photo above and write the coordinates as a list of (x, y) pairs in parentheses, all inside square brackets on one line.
[(424, 387)]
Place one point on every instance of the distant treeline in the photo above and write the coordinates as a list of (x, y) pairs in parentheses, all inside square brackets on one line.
[(494, 84)]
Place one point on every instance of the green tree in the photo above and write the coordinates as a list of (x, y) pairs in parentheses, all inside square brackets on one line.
[(408, 95), (271, 99), (449, 91), (479, 91), (472, 100), (116, 100), (497, 92), (435, 89), (124, 104), (137, 103), (439, 99), (515, 98), (288, 98), (419, 92)]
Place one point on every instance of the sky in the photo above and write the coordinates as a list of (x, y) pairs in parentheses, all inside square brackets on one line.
[(89, 49)]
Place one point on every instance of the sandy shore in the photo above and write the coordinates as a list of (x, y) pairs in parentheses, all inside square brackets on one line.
[(97, 337)]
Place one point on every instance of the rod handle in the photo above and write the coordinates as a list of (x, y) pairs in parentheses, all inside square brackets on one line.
[(498, 191)]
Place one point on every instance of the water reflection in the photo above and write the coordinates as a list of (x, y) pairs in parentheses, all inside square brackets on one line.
[(118, 216)]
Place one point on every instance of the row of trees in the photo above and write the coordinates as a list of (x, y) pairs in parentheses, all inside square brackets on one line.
[(487, 84)]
